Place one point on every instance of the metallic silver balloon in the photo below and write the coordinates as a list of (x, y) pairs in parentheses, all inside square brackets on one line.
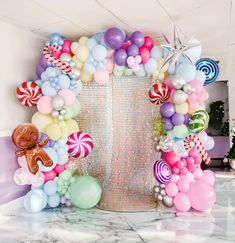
[(65, 57), (166, 143), (188, 89), (76, 73), (54, 113), (72, 63), (163, 192), (167, 201), (62, 112), (157, 147), (156, 189), (60, 117), (58, 102), (178, 82), (179, 97), (160, 197)]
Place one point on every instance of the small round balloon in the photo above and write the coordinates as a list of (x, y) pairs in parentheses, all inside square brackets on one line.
[(85, 192), (159, 93), (210, 68), (162, 171)]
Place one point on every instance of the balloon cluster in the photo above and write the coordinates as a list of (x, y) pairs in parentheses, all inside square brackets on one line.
[(180, 180)]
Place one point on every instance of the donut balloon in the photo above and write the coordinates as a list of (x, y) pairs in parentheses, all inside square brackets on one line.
[(28, 93), (159, 93), (80, 145)]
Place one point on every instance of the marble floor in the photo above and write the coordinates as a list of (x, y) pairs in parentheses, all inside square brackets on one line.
[(162, 226)]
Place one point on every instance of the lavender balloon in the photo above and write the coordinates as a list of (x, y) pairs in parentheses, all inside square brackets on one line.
[(177, 119), (137, 38), (186, 119), (167, 110), (114, 38), (40, 70), (120, 57), (168, 125), (133, 50)]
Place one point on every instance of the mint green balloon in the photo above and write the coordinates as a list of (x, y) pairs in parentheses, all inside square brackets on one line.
[(85, 192)]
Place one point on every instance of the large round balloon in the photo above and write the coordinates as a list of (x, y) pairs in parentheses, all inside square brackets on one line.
[(114, 38), (159, 93), (85, 192), (210, 68)]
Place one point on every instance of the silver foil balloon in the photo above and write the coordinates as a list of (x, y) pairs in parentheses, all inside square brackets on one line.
[(76, 73), (188, 89), (65, 57), (166, 143), (167, 201), (179, 97), (58, 102), (178, 82), (55, 113)]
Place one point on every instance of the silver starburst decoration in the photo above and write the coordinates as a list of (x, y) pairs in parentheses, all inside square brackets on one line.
[(177, 49)]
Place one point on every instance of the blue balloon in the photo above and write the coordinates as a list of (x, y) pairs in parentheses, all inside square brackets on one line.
[(200, 75), (63, 158), (150, 66), (64, 81), (50, 187), (54, 200), (89, 68), (62, 142), (171, 69), (53, 155), (187, 71), (56, 38), (51, 72), (156, 52), (91, 43), (98, 36), (35, 201), (48, 90), (99, 53)]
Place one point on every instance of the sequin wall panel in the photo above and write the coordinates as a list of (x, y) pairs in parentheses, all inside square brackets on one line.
[(118, 116)]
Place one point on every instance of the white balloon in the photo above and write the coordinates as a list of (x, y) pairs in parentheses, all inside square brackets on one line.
[(179, 97), (178, 82)]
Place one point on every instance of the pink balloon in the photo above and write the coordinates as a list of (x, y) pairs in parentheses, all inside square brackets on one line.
[(144, 53), (44, 105), (175, 170), (59, 168), (168, 81), (184, 171), (110, 65), (198, 173), (180, 164), (198, 160), (68, 95), (171, 157), (193, 153), (209, 177), (171, 189), (50, 175), (101, 77), (110, 53), (190, 160), (66, 47), (202, 195), (183, 185), (189, 177), (197, 85), (175, 178), (191, 167), (182, 202)]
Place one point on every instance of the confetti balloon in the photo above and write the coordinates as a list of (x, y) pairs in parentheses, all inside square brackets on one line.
[(79, 144), (162, 171), (210, 68), (159, 93), (28, 93), (199, 121)]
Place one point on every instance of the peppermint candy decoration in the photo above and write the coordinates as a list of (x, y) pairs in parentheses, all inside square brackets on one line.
[(210, 68), (79, 144), (199, 121), (159, 93), (162, 171), (28, 93)]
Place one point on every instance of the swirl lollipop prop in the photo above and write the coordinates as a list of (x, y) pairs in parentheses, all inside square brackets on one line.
[(210, 68), (159, 93), (162, 171)]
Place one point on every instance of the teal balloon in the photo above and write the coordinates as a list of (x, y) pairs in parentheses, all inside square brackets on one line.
[(150, 66), (180, 131), (99, 53), (85, 192), (156, 52), (187, 71), (35, 201), (50, 188), (54, 200)]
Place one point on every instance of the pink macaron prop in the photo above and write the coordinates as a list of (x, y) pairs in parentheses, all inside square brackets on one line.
[(80, 145)]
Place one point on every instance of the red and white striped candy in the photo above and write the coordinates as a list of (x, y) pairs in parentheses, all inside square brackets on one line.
[(47, 53), (159, 93), (191, 141), (28, 93), (79, 144)]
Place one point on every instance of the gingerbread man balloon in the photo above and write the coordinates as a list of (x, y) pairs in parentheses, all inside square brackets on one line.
[(25, 137)]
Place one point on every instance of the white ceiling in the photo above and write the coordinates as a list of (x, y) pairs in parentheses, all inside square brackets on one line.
[(211, 21)]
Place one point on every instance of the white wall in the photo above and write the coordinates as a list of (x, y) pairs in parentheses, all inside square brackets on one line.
[(19, 54)]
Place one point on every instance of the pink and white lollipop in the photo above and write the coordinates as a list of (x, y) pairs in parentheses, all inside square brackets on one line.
[(79, 144)]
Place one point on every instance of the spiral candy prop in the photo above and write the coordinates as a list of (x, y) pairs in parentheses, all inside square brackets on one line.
[(210, 68), (159, 93), (162, 171)]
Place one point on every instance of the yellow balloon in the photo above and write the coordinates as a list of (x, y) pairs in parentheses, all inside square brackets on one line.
[(74, 47), (161, 76), (53, 131), (82, 53), (72, 126), (83, 40), (86, 78), (77, 62), (183, 109), (41, 121)]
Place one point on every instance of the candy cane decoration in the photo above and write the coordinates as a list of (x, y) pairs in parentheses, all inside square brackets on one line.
[(193, 140), (47, 53)]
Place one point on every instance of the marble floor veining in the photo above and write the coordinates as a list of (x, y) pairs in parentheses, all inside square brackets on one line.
[(160, 225)]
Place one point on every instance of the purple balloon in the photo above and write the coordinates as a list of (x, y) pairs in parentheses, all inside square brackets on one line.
[(114, 38), (120, 57), (137, 38), (167, 124), (43, 62), (40, 70), (177, 119), (186, 119), (167, 110), (133, 50)]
